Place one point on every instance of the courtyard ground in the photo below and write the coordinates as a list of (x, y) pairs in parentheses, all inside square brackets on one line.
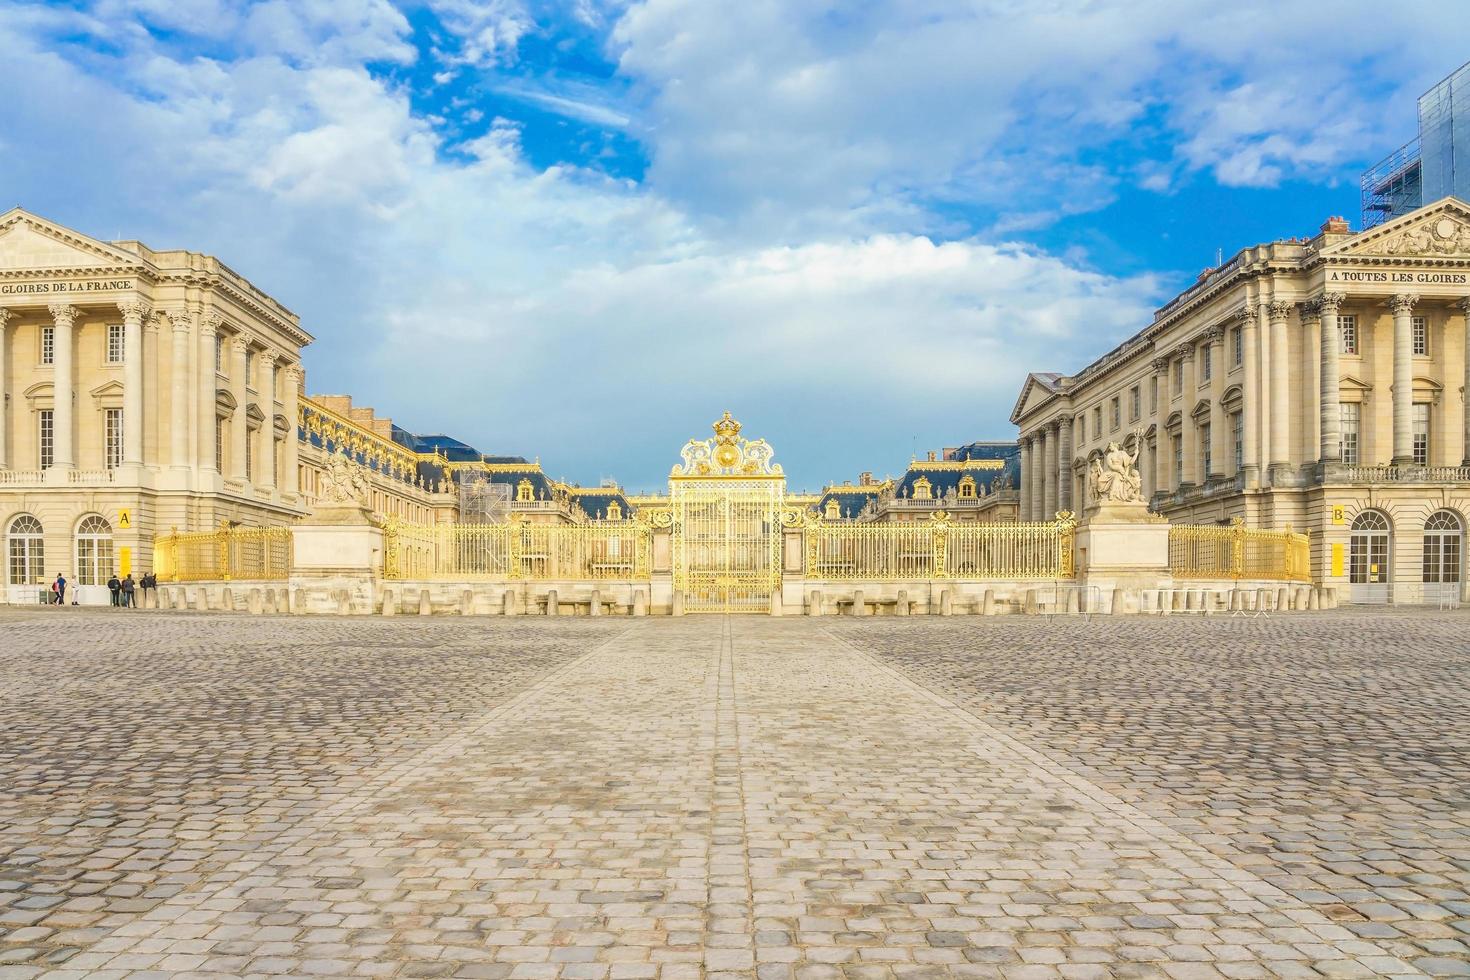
[(214, 795)]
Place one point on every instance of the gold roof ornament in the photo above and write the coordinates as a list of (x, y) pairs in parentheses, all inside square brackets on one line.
[(726, 454)]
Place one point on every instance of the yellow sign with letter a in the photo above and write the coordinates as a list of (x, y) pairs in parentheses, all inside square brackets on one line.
[(124, 520)]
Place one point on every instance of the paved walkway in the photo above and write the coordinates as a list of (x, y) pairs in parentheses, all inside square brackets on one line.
[(690, 798)]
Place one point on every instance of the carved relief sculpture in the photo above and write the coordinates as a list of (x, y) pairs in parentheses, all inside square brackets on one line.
[(1115, 478)]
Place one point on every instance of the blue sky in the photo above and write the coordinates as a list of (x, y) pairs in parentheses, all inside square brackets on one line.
[(581, 229)]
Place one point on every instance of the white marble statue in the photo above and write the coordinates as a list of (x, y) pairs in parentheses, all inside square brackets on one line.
[(1114, 479), (343, 482)]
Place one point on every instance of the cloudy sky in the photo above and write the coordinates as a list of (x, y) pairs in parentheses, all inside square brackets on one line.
[(581, 229)]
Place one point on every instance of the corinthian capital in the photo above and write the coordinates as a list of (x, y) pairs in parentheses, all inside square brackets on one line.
[(1311, 310), (180, 319), (1246, 312), (1464, 306), (134, 308), (1185, 351), (1215, 335), (1160, 364), (211, 321), (294, 374), (1280, 310), (239, 343), (1402, 303), (5, 316), (1331, 302), (64, 314)]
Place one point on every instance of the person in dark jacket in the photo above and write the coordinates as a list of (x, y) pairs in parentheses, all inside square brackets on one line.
[(114, 589), (128, 585), (59, 587)]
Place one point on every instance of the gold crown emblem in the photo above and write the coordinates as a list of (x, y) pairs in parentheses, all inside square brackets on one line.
[(726, 429)]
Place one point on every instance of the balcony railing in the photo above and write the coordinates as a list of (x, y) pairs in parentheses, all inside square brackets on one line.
[(1401, 474), (75, 478)]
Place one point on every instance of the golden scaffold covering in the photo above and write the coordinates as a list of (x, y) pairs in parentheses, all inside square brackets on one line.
[(1235, 551), (596, 550), (244, 553)]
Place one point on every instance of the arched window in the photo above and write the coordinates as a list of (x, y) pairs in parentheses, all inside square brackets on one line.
[(967, 487), (1369, 570), (27, 550), (94, 551), (1443, 555)]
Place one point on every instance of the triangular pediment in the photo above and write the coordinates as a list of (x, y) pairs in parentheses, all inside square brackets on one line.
[(1439, 230), (1038, 389), (31, 242)]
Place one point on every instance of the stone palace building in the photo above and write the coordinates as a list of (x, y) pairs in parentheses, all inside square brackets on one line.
[(1313, 382)]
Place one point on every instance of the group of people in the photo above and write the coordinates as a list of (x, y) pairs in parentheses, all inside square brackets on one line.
[(121, 590)]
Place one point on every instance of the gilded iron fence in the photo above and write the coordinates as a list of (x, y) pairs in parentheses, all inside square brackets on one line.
[(253, 553), (1238, 552), (880, 551), (596, 550)]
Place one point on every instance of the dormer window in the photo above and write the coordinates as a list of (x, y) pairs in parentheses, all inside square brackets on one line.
[(923, 489), (967, 487), (614, 510), (833, 510), (524, 492)]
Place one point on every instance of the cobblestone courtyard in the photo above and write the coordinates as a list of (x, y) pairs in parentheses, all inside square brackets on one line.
[(225, 796)]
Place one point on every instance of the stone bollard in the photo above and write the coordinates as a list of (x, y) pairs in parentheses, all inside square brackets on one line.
[(902, 607), (594, 608), (508, 603), (252, 602), (1262, 604), (777, 608), (1283, 599), (859, 604), (814, 605), (426, 605), (163, 599), (987, 603), (390, 603), (1120, 603), (227, 600), (1073, 601), (344, 602), (676, 606), (1314, 599), (466, 603), (1029, 605), (552, 602), (640, 602), (270, 600), (946, 603)]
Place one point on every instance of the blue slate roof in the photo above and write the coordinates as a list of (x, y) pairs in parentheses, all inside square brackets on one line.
[(594, 501), (850, 500)]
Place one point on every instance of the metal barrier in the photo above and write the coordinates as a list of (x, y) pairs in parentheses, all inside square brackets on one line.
[(887, 551), (255, 553), (596, 550), (1236, 551)]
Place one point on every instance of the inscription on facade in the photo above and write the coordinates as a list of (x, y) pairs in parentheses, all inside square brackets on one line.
[(1399, 277), (63, 286)]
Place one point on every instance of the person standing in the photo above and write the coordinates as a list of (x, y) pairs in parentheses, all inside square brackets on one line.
[(128, 585), (114, 589), (149, 583), (59, 587)]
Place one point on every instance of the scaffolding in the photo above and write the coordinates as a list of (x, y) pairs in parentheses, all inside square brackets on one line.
[(1433, 165)]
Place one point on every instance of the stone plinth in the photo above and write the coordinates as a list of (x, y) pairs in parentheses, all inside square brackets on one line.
[(336, 558), (1123, 547)]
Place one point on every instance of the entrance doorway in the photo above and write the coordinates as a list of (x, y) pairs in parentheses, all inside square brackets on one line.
[(1443, 557), (1368, 563)]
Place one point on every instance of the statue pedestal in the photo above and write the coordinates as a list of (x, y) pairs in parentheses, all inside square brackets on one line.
[(337, 555), (1123, 549)]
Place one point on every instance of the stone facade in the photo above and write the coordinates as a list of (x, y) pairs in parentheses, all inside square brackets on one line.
[(1317, 383)]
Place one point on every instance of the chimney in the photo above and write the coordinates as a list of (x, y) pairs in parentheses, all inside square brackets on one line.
[(865, 478), (932, 456), (1335, 225)]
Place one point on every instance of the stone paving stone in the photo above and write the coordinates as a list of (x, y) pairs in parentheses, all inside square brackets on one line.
[(187, 795), (1328, 754)]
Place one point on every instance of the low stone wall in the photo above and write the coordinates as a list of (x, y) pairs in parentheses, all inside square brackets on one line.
[(236, 596)]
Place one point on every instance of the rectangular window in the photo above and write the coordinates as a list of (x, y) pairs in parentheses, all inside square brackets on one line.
[(1178, 372), (219, 354), (1081, 428), (1178, 460), (219, 444), (112, 429), (1097, 422), (1237, 344), (1420, 327), (249, 368), (1206, 363), (114, 343), (249, 457), (1153, 394), (1421, 434), (1204, 451), (1115, 413), (1237, 439), (1135, 404), (1347, 329), (48, 345), (1351, 415), (46, 438)]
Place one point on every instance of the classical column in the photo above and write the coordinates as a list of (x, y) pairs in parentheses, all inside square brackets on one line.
[(178, 398), (5, 316), (1330, 379), (1402, 307), (1064, 463), (1038, 497), (64, 317), (1464, 307), (289, 401), (1263, 396), (239, 346), (266, 385), (1049, 463), (1280, 386), (1249, 394), (1187, 431), (1215, 337), (209, 325), (133, 311)]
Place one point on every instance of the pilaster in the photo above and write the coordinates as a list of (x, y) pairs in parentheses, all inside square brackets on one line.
[(1402, 307), (133, 310), (63, 456)]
